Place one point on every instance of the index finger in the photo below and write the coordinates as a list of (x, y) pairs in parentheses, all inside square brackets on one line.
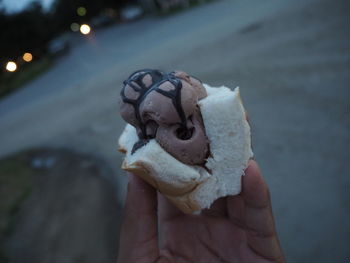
[(139, 234)]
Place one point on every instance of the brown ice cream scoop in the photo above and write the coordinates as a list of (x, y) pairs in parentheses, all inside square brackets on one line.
[(161, 109), (164, 106), (191, 147)]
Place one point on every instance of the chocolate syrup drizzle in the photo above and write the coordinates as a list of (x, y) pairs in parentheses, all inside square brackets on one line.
[(158, 78)]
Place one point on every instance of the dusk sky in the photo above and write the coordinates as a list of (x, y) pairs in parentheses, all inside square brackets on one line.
[(18, 5)]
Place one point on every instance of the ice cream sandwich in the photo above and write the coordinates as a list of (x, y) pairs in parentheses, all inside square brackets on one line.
[(189, 140)]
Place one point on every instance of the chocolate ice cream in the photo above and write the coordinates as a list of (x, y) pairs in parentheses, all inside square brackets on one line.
[(163, 106)]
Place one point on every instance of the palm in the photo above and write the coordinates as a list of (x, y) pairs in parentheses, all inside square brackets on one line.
[(206, 239), (234, 229)]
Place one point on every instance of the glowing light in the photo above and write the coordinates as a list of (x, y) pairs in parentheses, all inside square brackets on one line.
[(74, 27), (81, 11), (27, 57), (85, 29), (11, 66)]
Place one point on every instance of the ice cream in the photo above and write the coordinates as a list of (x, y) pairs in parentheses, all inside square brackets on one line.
[(163, 106)]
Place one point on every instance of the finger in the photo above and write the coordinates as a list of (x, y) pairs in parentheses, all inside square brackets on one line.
[(166, 210), (258, 215), (139, 229), (236, 210), (259, 222), (217, 209)]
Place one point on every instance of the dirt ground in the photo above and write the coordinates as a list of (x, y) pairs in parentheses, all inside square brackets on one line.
[(291, 60), (62, 209)]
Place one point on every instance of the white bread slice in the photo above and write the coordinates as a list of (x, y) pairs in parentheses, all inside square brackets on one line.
[(192, 188)]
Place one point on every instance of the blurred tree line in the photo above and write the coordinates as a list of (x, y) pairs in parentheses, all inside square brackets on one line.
[(31, 29)]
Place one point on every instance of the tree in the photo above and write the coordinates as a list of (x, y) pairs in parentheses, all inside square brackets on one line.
[(26, 31)]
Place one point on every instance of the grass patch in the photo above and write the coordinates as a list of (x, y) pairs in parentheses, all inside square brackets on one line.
[(10, 82), (16, 182)]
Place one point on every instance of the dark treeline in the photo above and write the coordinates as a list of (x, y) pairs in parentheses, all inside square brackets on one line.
[(31, 29)]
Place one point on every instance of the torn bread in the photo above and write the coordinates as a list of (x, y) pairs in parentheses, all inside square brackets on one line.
[(193, 188)]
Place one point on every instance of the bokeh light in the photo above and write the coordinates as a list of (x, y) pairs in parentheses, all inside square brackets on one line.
[(27, 57), (74, 27), (11, 66), (81, 11), (85, 29)]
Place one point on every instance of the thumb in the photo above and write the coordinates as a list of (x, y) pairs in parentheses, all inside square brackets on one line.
[(261, 232)]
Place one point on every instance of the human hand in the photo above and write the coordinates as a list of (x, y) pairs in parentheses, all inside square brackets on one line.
[(235, 229)]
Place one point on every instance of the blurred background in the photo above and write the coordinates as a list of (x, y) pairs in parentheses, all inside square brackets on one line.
[(62, 66)]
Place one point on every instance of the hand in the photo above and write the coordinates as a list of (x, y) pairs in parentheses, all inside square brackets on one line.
[(235, 229)]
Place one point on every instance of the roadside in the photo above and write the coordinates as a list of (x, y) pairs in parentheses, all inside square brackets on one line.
[(13, 81), (57, 205), (25, 68)]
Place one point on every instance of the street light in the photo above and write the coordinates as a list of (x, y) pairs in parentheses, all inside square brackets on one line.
[(81, 11), (85, 29), (11, 66), (27, 57), (74, 27)]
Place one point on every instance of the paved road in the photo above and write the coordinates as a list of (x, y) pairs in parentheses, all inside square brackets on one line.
[(291, 60)]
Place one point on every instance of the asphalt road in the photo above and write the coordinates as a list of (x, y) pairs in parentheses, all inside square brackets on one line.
[(291, 60)]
